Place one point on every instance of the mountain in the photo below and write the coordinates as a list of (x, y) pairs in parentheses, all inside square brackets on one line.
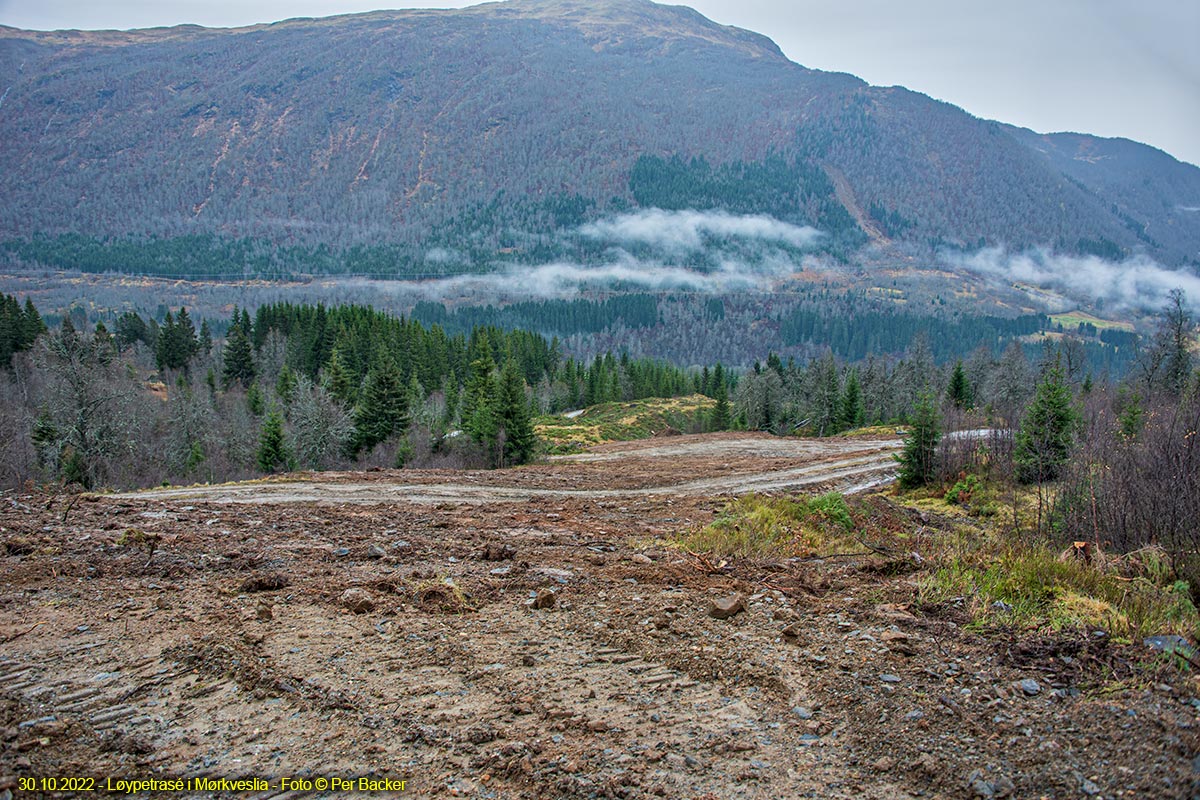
[(368, 141)]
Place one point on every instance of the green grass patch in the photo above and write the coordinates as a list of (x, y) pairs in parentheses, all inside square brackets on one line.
[(1046, 591), (875, 432), (995, 564), (1070, 321), (758, 526), (621, 422)]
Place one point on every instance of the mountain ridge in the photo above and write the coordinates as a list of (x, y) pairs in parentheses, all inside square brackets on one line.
[(474, 128)]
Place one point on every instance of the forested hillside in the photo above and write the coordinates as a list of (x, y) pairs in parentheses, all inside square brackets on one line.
[(430, 142), (303, 386)]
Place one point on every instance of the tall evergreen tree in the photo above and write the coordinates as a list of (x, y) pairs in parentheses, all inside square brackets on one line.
[(382, 410), (826, 394), (285, 384), (205, 341), (102, 341), (338, 380), (414, 398), (131, 328), (32, 324), (185, 335), (165, 353), (721, 417), (852, 404), (452, 396), (239, 353), (515, 423), (255, 400), (959, 391), (918, 460), (273, 454), (479, 402), (1047, 432), (11, 332)]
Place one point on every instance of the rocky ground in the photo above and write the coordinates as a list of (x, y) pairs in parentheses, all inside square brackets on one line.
[(551, 644)]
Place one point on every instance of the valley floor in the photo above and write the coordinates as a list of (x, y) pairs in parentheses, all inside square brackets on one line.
[(534, 633)]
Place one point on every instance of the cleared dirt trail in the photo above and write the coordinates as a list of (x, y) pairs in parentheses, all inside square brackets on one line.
[(723, 465)]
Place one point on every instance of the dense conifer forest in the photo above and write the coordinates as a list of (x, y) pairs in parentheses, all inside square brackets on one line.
[(314, 387)]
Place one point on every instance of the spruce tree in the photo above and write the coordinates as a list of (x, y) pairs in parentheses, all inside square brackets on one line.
[(185, 337), (273, 455), (452, 396), (164, 355), (827, 394), (479, 401), (32, 324), (512, 415), (254, 400), (102, 342), (285, 384), (239, 354), (959, 391), (918, 460), (10, 329), (852, 404), (1047, 432), (339, 382), (205, 341), (382, 408), (130, 329), (176, 341)]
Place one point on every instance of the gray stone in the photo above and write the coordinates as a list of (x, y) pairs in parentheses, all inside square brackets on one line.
[(1171, 644), (802, 712), (1030, 687), (887, 678), (981, 786)]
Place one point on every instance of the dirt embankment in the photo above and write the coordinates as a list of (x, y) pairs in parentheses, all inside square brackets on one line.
[(553, 647)]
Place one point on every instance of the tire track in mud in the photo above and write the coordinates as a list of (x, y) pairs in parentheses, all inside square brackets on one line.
[(842, 465)]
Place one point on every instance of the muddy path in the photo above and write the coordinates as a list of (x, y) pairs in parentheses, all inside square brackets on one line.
[(724, 464), (564, 646)]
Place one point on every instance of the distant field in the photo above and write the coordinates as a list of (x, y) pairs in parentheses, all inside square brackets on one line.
[(1071, 320), (617, 422)]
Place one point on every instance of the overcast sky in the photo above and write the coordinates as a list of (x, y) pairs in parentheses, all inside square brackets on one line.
[(1109, 67)]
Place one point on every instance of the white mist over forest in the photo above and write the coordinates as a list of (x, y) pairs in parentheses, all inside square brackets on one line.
[(1137, 283)]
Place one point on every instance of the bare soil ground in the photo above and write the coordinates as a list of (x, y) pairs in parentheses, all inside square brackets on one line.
[(696, 465), (388, 625)]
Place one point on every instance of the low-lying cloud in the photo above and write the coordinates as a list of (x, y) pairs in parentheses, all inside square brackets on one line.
[(564, 278), (1138, 282), (738, 253), (690, 231)]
